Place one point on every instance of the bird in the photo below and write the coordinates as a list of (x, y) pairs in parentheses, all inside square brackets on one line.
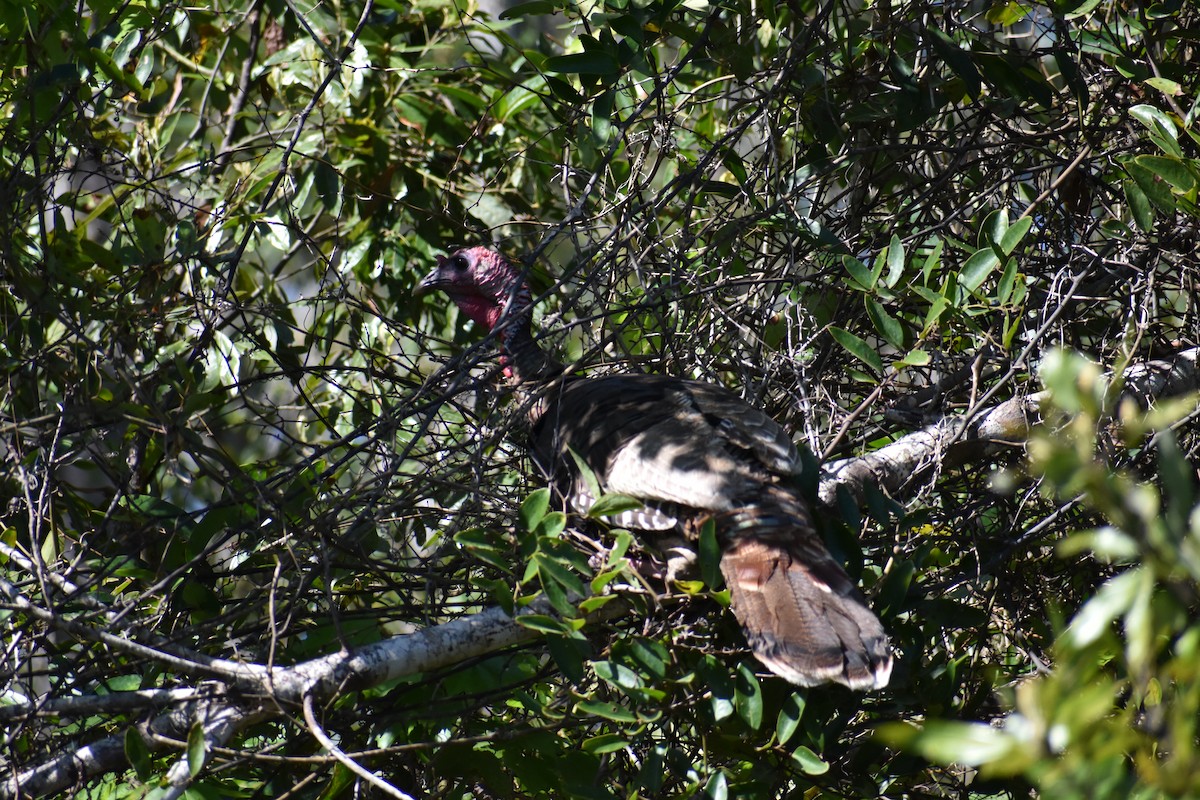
[(691, 452)]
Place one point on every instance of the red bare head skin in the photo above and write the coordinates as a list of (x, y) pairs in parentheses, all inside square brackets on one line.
[(481, 282)]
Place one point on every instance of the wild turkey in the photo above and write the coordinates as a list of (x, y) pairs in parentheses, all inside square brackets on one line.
[(690, 451)]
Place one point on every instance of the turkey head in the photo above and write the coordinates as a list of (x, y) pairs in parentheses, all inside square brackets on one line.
[(691, 452)]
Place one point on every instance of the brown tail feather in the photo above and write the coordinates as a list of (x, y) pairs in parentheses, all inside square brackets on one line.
[(802, 616)]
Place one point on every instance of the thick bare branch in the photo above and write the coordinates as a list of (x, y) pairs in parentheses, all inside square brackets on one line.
[(958, 439)]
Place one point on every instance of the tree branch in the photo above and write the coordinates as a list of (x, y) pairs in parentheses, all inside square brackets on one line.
[(961, 438)]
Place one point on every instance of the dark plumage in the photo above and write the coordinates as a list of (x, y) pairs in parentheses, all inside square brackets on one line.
[(690, 451)]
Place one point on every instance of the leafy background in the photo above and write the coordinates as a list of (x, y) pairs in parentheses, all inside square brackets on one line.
[(228, 424)]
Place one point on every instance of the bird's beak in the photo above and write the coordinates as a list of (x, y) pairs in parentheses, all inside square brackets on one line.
[(433, 281)]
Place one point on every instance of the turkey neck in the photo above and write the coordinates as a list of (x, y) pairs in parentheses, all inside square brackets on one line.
[(524, 360), (531, 369)]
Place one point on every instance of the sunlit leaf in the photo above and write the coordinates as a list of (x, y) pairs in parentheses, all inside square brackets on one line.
[(857, 348)]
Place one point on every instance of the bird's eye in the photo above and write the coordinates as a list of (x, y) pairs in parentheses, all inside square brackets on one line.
[(458, 263)]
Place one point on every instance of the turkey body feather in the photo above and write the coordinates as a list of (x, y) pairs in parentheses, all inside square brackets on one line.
[(663, 439), (690, 451)]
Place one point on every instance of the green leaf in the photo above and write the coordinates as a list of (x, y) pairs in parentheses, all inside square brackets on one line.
[(552, 525), (789, 717), (1107, 543), (1156, 189), (857, 348), (977, 268), (717, 787), (916, 358), (1174, 171), (611, 504), (600, 708), (649, 655), (619, 675), (1162, 129), (1006, 14), (932, 261), (514, 101), (861, 276), (1080, 9), (1014, 234), (138, 754), (197, 749), (481, 545), (1008, 281), (605, 743), (733, 162), (156, 507), (1139, 206), (590, 63), (552, 569), (1166, 86), (885, 324), (341, 779), (970, 743), (958, 59), (809, 762), (720, 685), (534, 508), (895, 262), (747, 698), (896, 583), (543, 624), (532, 8), (1110, 601)]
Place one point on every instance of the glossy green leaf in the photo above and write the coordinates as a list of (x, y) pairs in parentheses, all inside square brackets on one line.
[(861, 276), (977, 268), (552, 569), (601, 708), (932, 261), (138, 754), (605, 743), (1008, 281), (789, 717), (1004, 14), (717, 787), (514, 101), (916, 358), (543, 624), (809, 762), (611, 504), (747, 698), (534, 508), (1140, 207), (857, 348), (885, 324), (1174, 171), (197, 749), (1157, 190), (895, 262), (1076, 9), (1013, 235), (1165, 85), (1162, 129)]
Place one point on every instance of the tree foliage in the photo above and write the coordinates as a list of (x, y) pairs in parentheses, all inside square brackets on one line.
[(231, 435)]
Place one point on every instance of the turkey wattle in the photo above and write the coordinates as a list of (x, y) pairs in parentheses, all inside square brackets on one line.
[(690, 451)]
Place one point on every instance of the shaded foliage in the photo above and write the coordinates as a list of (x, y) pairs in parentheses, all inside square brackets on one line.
[(229, 429)]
